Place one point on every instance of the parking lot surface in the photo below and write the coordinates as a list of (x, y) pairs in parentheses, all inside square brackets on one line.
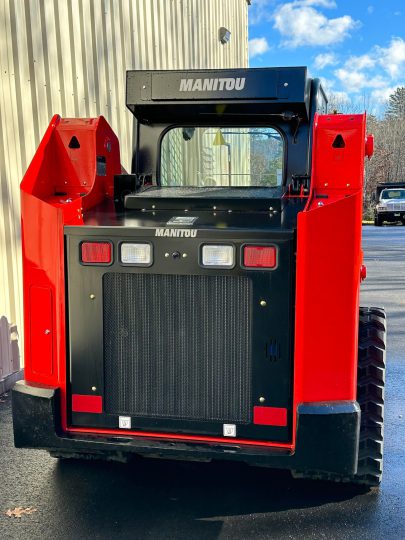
[(159, 499)]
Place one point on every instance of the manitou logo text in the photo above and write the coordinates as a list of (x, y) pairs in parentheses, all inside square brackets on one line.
[(177, 233), (212, 85)]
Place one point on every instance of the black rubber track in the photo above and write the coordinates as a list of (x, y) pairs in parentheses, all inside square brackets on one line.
[(370, 396)]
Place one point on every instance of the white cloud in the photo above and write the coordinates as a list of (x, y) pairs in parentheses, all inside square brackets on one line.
[(366, 72), (334, 96), (301, 24), (260, 11), (319, 3), (392, 58), (258, 46), (338, 96), (370, 10), (382, 94), (356, 81), (363, 61), (327, 84), (325, 59)]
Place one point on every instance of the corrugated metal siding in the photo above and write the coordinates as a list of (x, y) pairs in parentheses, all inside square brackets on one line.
[(70, 57)]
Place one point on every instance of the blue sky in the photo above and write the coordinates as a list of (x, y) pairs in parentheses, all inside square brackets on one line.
[(356, 47)]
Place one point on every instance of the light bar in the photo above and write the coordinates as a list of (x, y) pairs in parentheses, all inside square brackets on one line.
[(96, 253), (136, 254), (259, 256), (218, 256)]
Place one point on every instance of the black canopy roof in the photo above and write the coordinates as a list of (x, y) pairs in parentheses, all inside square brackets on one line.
[(181, 96)]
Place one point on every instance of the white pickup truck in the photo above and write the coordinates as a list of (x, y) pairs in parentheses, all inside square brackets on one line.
[(390, 199)]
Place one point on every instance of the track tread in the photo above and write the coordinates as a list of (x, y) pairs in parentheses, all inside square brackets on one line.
[(370, 396)]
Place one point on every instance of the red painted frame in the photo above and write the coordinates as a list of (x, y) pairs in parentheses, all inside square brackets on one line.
[(329, 257), (72, 174)]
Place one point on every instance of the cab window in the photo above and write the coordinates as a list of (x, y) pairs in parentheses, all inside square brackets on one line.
[(222, 157)]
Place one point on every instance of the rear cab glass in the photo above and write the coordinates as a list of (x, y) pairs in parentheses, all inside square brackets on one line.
[(222, 157)]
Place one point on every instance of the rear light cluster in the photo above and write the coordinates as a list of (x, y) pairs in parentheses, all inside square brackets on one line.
[(96, 253), (259, 256), (212, 255)]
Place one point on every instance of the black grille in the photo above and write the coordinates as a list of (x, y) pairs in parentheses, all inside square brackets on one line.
[(178, 346)]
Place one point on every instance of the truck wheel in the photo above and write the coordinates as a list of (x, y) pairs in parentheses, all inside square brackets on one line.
[(378, 221), (370, 396)]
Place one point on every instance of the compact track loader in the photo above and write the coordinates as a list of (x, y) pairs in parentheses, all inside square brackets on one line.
[(206, 305)]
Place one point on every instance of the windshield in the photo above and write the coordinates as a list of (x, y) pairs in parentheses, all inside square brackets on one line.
[(222, 156), (393, 194)]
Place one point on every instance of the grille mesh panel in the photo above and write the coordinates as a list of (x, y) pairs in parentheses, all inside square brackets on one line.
[(178, 346)]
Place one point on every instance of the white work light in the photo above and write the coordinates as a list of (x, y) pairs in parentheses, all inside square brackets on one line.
[(136, 254), (218, 256)]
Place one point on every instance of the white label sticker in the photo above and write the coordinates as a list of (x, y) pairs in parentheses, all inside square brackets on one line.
[(229, 430), (124, 422), (182, 220)]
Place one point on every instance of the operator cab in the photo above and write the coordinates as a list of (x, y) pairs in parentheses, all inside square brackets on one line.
[(234, 140)]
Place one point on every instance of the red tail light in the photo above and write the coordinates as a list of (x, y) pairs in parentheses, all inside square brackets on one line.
[(96, 253), (260, 256)]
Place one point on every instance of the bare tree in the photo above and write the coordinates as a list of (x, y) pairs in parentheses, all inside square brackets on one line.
[(388, 128)]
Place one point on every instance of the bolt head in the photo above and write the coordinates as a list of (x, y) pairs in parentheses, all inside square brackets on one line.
[(263, 303), (262, 399), (93, 388), (92, 296)]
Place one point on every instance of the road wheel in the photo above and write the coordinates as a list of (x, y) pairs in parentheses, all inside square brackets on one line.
[(378, 221), (370, 396)]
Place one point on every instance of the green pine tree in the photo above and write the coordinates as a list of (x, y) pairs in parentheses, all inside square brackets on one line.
[(396, 103)]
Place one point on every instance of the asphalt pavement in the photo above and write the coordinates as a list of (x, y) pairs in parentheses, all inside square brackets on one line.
[(160, 499)]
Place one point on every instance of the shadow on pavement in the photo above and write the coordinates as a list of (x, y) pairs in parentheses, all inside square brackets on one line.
[(192, 498)]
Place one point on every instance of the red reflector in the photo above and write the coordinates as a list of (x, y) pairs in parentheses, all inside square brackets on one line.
[(91, 404), (259, 256), (270, 416), (96, 252)]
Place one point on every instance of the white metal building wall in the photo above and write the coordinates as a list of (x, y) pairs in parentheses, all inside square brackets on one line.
[(70, 57)]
